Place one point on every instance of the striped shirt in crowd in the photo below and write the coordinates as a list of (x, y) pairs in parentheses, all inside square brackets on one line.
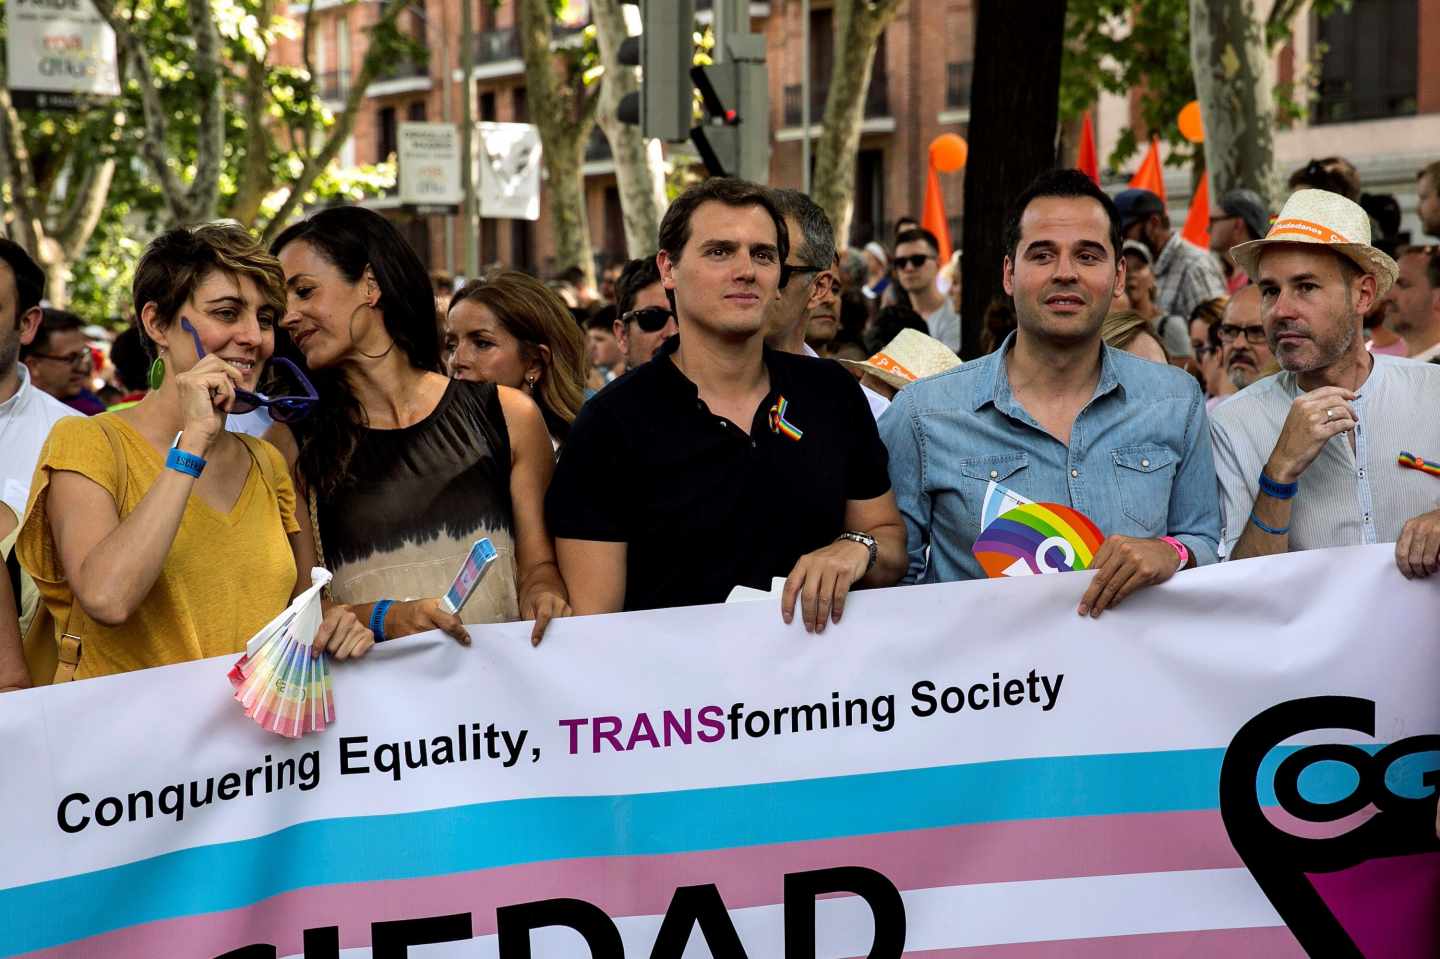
[(1185, 277), (1347, 497)]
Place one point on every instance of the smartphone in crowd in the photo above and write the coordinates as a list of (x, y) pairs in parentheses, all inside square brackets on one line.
[(482, 556)]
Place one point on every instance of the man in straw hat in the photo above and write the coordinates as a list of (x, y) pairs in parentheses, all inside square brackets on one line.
[(910, 356), (1056, 416), (1310, 457)]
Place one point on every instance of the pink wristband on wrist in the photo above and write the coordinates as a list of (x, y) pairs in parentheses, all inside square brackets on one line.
[(1180, 549)]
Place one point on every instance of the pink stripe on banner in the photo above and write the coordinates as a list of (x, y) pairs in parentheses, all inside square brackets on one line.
[(1275, 942), (747, 876)]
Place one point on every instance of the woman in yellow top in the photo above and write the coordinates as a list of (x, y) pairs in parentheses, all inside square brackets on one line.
[(154, 535)]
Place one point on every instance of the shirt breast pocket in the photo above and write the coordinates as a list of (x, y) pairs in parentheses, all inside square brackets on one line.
[(1144, 475), (980, 472)]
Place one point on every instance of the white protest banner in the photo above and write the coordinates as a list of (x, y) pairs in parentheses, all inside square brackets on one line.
[(429, 160), (509, 177), (1231, 764), (59, 54)]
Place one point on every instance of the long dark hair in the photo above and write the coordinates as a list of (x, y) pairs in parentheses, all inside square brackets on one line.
[(352, 238)]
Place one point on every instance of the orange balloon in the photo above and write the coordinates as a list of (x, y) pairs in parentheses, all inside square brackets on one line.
[(948, 152), (1192, 125)]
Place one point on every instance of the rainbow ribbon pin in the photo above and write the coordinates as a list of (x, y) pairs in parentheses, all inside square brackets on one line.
[(779, 424), (1414, 462)]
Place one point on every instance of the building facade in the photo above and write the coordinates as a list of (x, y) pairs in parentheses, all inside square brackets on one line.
[(1377, 101)]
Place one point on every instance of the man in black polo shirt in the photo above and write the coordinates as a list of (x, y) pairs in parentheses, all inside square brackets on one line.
[(724, 463)]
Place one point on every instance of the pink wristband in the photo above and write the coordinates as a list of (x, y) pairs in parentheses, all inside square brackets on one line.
[(1180, 549)]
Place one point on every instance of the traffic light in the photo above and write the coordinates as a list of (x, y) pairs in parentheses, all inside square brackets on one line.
[(735, 140), (663, 51)]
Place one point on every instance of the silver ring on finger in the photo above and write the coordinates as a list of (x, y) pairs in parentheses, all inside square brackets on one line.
[(1330, 413)]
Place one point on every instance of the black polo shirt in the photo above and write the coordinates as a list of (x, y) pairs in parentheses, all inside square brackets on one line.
[(703, 507)]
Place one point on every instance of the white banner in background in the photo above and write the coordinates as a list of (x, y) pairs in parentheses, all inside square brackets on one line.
[(509, 164), (56, 49), (1241, 762)]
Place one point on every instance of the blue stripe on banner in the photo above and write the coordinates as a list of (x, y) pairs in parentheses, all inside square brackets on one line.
[(484, 836)]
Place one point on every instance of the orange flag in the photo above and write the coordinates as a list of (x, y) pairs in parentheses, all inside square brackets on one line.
[(1149, 177), (932, 217), (1197, 223), (1088, 161)]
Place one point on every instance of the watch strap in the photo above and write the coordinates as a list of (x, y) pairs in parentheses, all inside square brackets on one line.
[(866, 540)]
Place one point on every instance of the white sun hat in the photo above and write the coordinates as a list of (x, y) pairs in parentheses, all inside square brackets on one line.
[(1326, 219), (909, 357)]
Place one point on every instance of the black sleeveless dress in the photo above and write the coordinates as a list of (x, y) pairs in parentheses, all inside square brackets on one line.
[(422, 496)]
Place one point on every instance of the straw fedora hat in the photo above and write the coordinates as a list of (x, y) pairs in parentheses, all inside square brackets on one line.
[(1326, 219), (909, 357)]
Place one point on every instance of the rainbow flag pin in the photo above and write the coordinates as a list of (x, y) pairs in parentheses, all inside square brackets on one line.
[(1414, 462), (779, 424)]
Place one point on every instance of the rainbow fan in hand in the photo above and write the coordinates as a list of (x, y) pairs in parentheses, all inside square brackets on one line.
[(283, 686), (1035, 538)]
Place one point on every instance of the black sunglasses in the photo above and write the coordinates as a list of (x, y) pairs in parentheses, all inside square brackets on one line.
[(914, 261), (651, 319), (788, 270)]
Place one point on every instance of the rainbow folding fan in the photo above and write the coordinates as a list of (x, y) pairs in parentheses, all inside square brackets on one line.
[(281, 683)]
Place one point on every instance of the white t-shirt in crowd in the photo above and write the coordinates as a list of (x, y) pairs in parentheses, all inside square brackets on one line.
[(25, 421)]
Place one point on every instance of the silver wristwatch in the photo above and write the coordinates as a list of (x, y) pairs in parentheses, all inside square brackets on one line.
[(865, 540)]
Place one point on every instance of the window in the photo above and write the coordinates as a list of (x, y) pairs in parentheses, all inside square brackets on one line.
[(487, 106), (1370, 65), (415, 113), (387, 142), (869, 209), (520, 105)]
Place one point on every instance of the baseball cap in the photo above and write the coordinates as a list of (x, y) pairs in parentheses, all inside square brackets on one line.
[(1248, 206), (1135, 205)]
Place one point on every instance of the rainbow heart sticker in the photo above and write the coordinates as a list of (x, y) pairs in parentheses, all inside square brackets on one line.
[(1035, 538)]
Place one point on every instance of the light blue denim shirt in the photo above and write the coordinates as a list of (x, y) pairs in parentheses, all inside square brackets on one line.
[(1138, 463)]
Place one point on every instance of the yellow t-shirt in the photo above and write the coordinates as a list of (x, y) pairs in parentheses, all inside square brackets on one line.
[(225, 577)]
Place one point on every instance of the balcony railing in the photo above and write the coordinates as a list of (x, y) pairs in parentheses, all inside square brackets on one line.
[(877, 100), (402, 70), (492, 46), (958, 77), (597, 148)]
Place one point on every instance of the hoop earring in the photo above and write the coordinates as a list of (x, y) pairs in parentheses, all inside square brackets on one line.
[(369, 356), (155, 376)]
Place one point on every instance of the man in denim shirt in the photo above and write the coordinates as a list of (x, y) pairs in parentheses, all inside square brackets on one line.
[(1058, 417)]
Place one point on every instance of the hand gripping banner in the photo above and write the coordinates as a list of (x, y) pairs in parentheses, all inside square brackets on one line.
[(1241, 762)]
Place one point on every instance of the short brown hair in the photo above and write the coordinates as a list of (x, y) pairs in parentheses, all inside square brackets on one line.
[(1121, 327), (1432, 262), (533, 314), (1432, 171), (178, 261), (731, 191)]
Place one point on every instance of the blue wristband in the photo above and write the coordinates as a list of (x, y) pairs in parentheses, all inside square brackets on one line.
[(183, 462), (1272, 530), (377, 618), (1277, 490)]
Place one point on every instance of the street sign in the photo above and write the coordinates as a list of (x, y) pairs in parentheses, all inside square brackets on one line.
[(429, 158), (509, 161), (60, 55)]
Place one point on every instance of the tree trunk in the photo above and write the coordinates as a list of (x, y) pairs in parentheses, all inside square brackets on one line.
[(639, 169), (1013, 114), (1068, 153), (565, 115), (859, 24), (1227, 48)]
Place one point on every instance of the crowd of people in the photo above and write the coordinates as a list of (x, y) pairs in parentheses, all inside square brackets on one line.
[(753, 403)]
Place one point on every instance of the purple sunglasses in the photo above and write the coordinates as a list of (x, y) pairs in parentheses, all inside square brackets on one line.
[(283, 409)]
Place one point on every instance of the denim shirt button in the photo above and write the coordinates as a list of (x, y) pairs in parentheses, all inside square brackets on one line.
[(1075, 474), (994, 474), (1145, 463)]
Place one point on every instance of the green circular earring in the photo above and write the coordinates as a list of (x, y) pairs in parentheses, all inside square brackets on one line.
[(156, 375)]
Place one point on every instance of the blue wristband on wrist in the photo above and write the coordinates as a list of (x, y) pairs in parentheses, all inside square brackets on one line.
[(1277, 490), (183, 462), (1272, 530), (377, 618)]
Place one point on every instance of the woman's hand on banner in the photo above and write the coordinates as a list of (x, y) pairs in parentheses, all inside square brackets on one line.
[(1122, 565), (543, 605), (342, 634), (421, 616), (821, 580)]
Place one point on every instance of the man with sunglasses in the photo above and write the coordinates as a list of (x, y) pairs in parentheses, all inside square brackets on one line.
[(723, 462), (1244, 350), (60, 361), (26, 411), (917, 264), (806, 276), (643, 317)]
